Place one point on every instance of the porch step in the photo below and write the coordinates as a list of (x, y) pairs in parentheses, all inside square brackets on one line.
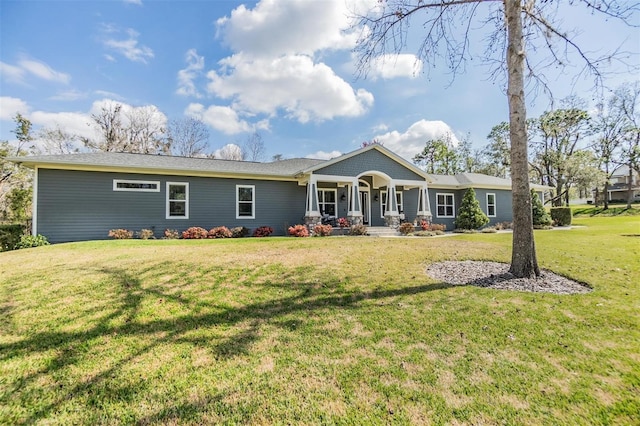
[(382, 231)]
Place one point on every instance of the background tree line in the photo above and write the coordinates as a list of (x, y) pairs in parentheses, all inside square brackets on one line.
[(141, 130), (571, 149)]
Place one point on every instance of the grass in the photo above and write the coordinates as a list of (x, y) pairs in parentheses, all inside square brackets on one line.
[(344, 330), (613, 210)]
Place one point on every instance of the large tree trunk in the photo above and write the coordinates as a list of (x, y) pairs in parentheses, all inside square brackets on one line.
[(524, 263)]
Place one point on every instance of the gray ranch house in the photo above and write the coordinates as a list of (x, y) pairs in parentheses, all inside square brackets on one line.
[(82, 196)]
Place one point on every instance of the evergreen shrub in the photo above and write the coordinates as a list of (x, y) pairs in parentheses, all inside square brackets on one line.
[(470, 215), (561, 215), (10, 235)]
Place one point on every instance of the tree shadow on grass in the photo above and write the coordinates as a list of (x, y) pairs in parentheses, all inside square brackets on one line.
[(72, 346)]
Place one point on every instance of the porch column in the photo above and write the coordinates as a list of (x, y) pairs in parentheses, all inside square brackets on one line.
[(312, 211), (354, 215), (424, 209), (391, 215)]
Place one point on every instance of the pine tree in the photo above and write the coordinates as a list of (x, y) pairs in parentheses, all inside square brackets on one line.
[(539, 215), (470, 215)]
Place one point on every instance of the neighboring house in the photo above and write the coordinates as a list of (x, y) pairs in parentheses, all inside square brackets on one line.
[(82, 196), (619, 185)]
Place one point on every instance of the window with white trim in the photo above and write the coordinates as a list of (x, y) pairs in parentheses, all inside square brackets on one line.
[(445, 205), (136, 185), (245, 202), (383, 202), (491, 205), (327, 201), (177, 200)]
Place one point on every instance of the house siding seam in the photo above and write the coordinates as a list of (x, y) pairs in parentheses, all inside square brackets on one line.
[(78, 205), (370, 160)]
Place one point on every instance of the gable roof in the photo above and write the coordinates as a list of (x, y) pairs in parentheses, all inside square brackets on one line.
[(392, 155)]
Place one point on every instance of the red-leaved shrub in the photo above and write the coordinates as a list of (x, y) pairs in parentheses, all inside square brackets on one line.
[(120, 234), (298, 231), (263, 231), (220, 232), (322, 230), (195, 233)]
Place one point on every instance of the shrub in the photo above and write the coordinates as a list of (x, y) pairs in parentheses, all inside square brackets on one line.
[(503, 225), (299, 231), (489, 230), (195, 233), (239, 232), (28, 241), (358, 230), (10, 236), (265, 231), (171, 234), (120, 234), (470, 215), (220, 232), (561, 215), (343, 222), (424, 234), (426, 226), (322, 230), (145, 234), (406, 228), (539, 214), (464, 231)]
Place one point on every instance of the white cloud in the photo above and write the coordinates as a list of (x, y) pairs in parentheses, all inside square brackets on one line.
[(127, 47), (322, 155), (195, 65), (230, 151), (304, 90), (391, 66), (9, 107), (11, 73), (221, 118), (413, 140), (43, 71), (274, 69), (69, 95), (136, 2), (36, 68), (76, 123), (275, 27)]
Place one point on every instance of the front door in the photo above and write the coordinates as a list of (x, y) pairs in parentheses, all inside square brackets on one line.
[(364, 205)]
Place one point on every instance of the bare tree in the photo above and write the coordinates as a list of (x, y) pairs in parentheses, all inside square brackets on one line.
[(447, 30), (139, 130), (610, 126), (188, 137), (254, 147), (626, 99), (58, 141)]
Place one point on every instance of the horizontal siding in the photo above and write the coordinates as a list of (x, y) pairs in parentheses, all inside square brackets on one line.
[(503, 205), (370, 160), (76, 205)]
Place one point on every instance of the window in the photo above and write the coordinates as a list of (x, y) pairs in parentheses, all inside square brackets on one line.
[(383, 202), (491, 205), (245, 202), (136, 185), (445, 206), (177, 200), (327, 201)]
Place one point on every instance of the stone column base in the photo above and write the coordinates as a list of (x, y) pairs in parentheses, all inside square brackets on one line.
[(311, 221), (392, 221), (426, 217), (355, 220)]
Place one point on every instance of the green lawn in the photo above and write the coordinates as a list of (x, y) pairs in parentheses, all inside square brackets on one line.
[(341, 330)]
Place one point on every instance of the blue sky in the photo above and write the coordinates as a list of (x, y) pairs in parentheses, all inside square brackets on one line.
[(284, 68)]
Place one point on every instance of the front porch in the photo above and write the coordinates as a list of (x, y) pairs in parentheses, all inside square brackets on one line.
[(371, 198)]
